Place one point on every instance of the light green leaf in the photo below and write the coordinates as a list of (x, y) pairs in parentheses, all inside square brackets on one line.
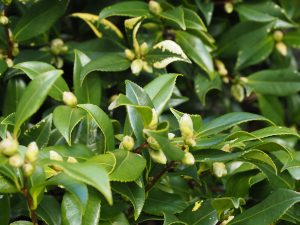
[(49, 211), (92, 210), (271, 108), (193, 20), (269, 210), (65, 119), (71, 210), (103, 122), (6, 186), (291, 38), (34, 95), (175, 15)]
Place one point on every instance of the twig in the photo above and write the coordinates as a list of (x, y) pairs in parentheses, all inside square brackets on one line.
[(10, 43), (139, 149), (29, 203)]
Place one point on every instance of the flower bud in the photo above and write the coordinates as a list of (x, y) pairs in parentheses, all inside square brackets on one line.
[(9, 146), (137, 66), (28, 169), (129, 54), (226, 148), (221, 68), (72, 160), (225, 222), (190, 141), (3, 20), (153, 143), (69, 99), (130, 23), (238, 92), (186, 126), (154, 121), (32, 152), (171, 136), (16, 161), (144, 48), (15, 50), (155, 7), (9, 62), (127, 143), (281, 48), (188, 159), (219, 169), (56, 46), (55, 156), (228, 7), (158, 156), (278, 35)]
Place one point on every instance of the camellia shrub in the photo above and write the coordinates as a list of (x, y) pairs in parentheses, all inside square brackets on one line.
[(149, 112)]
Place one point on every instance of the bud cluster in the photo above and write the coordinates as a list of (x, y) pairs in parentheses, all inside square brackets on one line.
[(187, 130), (280, 45), (155, 151), (58, 47)]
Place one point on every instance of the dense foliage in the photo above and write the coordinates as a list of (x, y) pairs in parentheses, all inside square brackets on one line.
[(149, 112)]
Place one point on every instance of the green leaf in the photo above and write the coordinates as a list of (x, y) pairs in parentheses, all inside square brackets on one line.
[(103, 122), (269, 210), (92, 211), (111, 62), (225, 203), (203, 85), (170, 219), (49, 211), (89, 173), (65, 119), (34, 95), (129, 8), (175, 15), (33, 69), (89, 91), (5, 209), (134, 193), (108, 161), (39, 18), (281, 82), (129, 166), (160, 90), (21, 222), (292, 39), (205, 215), (227, 121), (71, 210), (271, 108), (193, 21), (196, 50), (137, 95)]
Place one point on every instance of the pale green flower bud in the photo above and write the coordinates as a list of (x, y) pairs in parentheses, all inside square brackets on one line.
[(127, 143), (137, 66), (188, 159), (238, 92), (190, 141), (154, 121), (281, 48), (228, 7), (16, 161), (278, 35), (69, 99), (186, 126), (129, 54), (221, 68), (72, 160), (155, 7), (226, 148), (171, 136), (158, 156), (3, 20), (219, 169), (56, 46), (9, 146), (130, 23), (32, 152), (28, 169), (9, 62), (144, 48), (153, 143), (55, 156)]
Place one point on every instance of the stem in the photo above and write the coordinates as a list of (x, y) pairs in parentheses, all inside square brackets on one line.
[(10, 43), (168, 167), (33, 216), (139, 149)]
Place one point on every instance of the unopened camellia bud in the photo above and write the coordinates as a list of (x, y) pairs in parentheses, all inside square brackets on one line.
[(238, 92), (15, 50), (32, 152), (188, 159), (137, 66), (16, 161), (171, 136), (28, 169), (69, 99), (155, 7), (228, 7), (278, 35), (57, 46), (219, 169), (55, 156), (127, 143), (72, 159), (190, 141), (158, 156), (130, 23), (129, 54), (9, 146), (144, 48), (153, 143), (281, 48), (221, 67), (3, 20), (186, 126), (154, 121), (9, 62)]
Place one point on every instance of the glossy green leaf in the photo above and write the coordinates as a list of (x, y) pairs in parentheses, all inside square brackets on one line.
[(103, 122), (280, 82), (269, 210), (49, 211), (292, 39), (33, 69), (5, 209), (34, 95), (271, 108), (39, 18), (71, 210), (92, 211), (175, 15), (137, 95), (192, 20), (65, 119), (129, 8)]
